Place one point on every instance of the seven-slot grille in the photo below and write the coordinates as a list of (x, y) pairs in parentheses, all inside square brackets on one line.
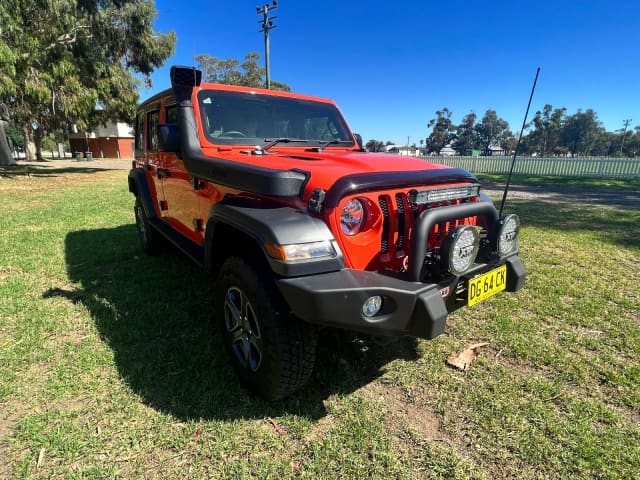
[(399, 216)]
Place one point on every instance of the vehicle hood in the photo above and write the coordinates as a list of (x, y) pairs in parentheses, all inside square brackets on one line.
[(328, 166)]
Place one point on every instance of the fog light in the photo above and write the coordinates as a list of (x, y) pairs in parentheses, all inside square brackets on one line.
[(459, 249), (508, 235), (372, 306)]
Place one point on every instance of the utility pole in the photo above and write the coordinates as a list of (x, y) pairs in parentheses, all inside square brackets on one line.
[(624, 133), (267, 24)]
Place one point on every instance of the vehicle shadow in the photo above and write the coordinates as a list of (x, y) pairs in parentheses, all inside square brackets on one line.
[(156, 314), (45, 170)]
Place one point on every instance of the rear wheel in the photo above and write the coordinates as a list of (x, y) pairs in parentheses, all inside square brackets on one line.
[(272, 352), (149, 237)]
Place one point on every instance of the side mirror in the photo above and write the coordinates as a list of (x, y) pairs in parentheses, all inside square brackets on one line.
[(169, 137), (359, 140)]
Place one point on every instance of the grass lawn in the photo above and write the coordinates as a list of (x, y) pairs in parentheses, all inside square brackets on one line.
[(110, 366)]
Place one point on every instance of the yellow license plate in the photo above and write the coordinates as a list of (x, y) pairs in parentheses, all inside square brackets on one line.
[(484, 286)]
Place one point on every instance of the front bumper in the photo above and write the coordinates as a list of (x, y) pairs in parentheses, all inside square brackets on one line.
[(409, 308)]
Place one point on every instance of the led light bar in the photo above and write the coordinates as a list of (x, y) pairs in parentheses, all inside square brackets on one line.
[(436, 195)]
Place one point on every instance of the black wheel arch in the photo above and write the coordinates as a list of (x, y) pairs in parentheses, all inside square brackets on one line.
[(233, 228), (140, 189)]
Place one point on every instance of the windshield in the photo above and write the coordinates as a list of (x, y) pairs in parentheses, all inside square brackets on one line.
[(238, 118)]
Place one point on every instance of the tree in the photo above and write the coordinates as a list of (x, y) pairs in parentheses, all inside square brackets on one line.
[(68, 62), (547, 127), (632, 145), (466, 137), (15, 136), (508, 142), (442, 132), (231, 72), (581, 132), (623, 132), (492, 130), (375, 146)]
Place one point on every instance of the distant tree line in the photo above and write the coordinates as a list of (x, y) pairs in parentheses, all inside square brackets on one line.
[(551, 132), (377, 145)]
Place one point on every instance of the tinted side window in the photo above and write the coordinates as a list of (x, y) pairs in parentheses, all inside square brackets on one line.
[(153, 118), (171, 114), (139, 132)]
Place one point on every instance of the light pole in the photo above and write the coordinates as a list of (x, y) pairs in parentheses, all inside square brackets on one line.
[(624, 133), (267, 24)]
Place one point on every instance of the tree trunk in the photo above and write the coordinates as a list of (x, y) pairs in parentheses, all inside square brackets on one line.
[(6, 158), (38, 136), (29, 146)]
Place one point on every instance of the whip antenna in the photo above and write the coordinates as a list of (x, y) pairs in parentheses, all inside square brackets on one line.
[(515, 153)]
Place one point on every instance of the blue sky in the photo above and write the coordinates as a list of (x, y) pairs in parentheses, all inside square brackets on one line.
[(391, 65)]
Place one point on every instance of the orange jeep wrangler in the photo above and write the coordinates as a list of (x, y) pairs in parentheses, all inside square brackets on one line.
[(273, 194)]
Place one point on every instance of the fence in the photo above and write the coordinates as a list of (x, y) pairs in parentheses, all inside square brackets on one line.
[(548, 166)]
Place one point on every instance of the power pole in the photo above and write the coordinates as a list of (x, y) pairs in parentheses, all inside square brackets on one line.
[(624, 133), (267, 24)]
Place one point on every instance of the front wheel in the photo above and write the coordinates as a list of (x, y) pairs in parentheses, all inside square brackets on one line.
[(272, 352), (149, 237)]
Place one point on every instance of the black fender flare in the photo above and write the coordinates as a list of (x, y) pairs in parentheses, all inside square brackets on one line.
[(139, 187), (279, 225)]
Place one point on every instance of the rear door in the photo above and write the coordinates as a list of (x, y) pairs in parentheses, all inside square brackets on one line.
[(154, 162), (145, 152)]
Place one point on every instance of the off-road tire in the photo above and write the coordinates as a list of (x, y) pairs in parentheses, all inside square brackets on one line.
[(272, 352), (149, 237)]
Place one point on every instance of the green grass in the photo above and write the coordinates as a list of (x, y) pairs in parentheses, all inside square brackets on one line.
[(110, 366)]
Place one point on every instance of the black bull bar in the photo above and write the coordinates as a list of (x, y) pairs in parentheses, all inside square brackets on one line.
[(427, 219)]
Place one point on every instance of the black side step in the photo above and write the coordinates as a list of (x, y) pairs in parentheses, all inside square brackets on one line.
[(194, 251)]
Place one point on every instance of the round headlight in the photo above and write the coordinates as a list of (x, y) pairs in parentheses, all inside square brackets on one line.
[(352, 217), (508, 235), (460, 249)]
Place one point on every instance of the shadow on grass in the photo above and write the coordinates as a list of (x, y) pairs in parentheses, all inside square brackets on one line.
[(618, 226), (156, 314), (45, 170)]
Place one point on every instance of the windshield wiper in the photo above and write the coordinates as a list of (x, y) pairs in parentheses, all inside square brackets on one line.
[(274, 141), (323, 145)]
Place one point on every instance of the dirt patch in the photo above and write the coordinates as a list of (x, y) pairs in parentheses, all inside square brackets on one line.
[(404, 410), (12, 411)]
